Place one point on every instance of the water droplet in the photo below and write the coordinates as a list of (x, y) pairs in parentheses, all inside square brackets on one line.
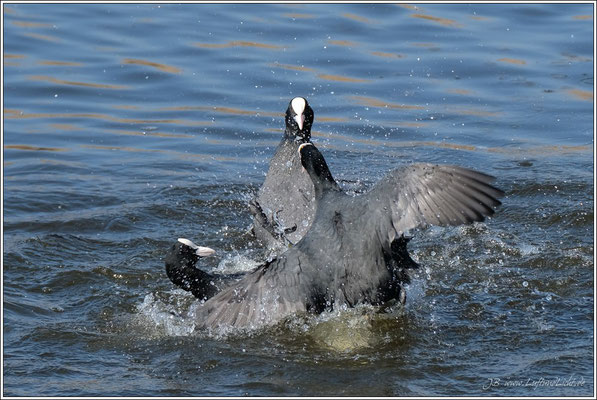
[(525, 284)]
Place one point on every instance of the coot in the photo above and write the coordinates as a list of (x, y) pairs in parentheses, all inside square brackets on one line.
[(343, 258), (284, 207), (181, 268)]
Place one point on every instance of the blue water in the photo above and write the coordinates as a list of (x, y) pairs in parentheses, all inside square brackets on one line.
[(126, 126)]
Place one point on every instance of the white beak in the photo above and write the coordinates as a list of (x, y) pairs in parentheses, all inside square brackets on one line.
[(300, 120), (205, 251), (199, 250)]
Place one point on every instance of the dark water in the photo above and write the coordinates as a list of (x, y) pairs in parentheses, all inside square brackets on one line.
[(128, 126)]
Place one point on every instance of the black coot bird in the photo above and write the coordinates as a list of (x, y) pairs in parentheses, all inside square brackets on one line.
[(181, 268), (342, 260), (283, 209)]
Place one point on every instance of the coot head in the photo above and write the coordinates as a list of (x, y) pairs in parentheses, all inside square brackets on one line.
[(186, 252), (180, 268), (299, 118)]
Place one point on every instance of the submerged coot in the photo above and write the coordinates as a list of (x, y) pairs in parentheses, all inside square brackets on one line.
[(343, 258), (180, 268)]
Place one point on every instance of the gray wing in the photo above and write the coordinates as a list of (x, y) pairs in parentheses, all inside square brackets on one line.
[(424, 194), (272, 292), (284, 207)]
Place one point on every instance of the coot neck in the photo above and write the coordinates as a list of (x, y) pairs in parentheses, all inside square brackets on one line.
[(323, 183), (295, 136)]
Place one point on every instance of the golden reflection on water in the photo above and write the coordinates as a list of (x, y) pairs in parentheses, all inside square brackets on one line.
[(33, 148), (470, 111), (534, 150), (13, 57), (346, 43), (410, 124), (372, 102), (479, 18), (125, 107), (327, 77), (582, 17), (234, 142), (463, 92), (423, 44), (576, 58), (387, 55), (161, 67), (384, 143), (74, 83), (541, 150), (442, 21), (581, 94), (176, 154), (27, 24), (16, 114), (358, 18), (147, 133), (237, 43), (74, 164), (340, 78), (332, 119), (59, 63), (47, 38), (122, 148), (512, 61), (335, 77), (292, 67), (66, 127), (224, 110)]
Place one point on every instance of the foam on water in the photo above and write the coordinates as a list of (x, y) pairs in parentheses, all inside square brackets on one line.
[(165, 319), (236, 263), (342, 330)]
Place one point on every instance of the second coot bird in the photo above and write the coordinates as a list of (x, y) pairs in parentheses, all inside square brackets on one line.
[(181, 268), (343, 259), (284, 206)]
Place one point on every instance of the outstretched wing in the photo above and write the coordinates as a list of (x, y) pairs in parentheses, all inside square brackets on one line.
[(424, 194), (272, 292)]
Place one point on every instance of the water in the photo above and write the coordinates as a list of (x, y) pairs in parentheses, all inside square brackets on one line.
[(127, 126)]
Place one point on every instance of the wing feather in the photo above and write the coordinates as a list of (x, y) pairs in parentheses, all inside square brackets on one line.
[(263, 297), (424, 194)]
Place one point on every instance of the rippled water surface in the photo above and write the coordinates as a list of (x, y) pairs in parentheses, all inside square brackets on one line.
[(127, 126)]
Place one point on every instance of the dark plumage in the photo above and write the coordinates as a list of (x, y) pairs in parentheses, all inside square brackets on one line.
[(180, 268), (343, 258), (285, 205), (284, 208)]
